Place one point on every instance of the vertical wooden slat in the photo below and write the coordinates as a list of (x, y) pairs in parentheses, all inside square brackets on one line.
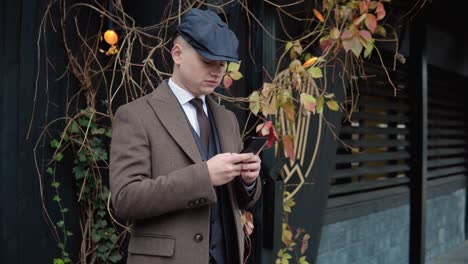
[(11, 23), (418, 137)]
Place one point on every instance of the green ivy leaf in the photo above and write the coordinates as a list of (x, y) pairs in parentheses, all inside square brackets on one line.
[(56, 198), (60, 223), (55, 184), (54, 143), (58, 261), (115, 257), (50, 170), (59, 156), (98, 131)]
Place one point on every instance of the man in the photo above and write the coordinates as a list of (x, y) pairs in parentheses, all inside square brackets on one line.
[(175, 167)]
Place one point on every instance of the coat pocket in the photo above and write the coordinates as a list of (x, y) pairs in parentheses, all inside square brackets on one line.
[(152, 245)]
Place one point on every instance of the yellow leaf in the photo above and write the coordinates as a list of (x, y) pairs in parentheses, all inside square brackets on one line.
[(310, 62), (315, 72), (318, 15), (288, 108), (269, 107), (233, 66), (254, 100), (319, 107), (333, 105), (235, 75), (295, 66), (288, 46), (286, 238), (287, 205), (335, 33), (309, 102), (297, 47), (283, 97)]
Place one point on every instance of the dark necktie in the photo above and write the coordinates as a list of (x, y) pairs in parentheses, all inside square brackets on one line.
[(203, 121)]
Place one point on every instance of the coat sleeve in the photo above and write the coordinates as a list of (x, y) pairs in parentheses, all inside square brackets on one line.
[(245, 199), (136, 194)]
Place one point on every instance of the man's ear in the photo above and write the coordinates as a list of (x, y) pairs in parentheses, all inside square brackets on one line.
[(176, 52)]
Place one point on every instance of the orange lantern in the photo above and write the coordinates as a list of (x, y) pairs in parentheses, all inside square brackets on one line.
[(111, 37)]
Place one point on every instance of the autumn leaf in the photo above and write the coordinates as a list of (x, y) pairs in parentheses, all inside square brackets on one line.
[(288, 204), (363, 7), (309, 102), (267, 89), (310, 62), (371, 22), (332, 105), (227, 81), (288, 108), (286, 236), (295, 66), (288, 146), (232, 66), (359, 20), (288, 46), (302, 260), (235, 75), (254, 100), (380, 11), (297, 47), (319, 107), (380, 30), (305, 243), (318, 15), (283, 97), (267, 129), (315, 72), (335, 33), (269, 106), (354, 45), (247, 222)]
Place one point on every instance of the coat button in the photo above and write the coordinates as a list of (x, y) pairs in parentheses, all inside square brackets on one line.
[(198, 237), (202, 200)]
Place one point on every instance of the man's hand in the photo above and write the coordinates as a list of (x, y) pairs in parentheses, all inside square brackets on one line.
[(224, 167), (250, 169)]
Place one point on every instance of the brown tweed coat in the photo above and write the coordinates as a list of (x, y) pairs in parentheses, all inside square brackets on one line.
[(159, 182)]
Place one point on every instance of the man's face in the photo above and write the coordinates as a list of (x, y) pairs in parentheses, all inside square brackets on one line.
[(196, 74)]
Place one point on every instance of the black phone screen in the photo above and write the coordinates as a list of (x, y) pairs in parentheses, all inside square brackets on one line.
[(254, 144)]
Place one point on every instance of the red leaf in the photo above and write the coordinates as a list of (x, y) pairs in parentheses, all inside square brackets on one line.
[(380, 11), (366, 35), (267, 129), (347, 34), (371, 22), (227, 81), (288, 146)]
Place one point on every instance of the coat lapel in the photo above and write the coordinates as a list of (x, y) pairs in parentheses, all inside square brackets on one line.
[(226, 135), (167, 109)]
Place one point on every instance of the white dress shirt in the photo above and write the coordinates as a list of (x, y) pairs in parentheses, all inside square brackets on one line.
[(184, 97)]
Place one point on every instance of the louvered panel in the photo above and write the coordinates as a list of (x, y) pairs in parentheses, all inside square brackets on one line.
[(374, 152), (366, 186), (447, 126)]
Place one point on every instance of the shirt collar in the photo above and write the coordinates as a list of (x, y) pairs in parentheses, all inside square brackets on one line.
[(182, 95)]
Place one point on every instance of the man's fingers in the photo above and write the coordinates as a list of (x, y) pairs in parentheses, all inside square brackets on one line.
[(236, 157)]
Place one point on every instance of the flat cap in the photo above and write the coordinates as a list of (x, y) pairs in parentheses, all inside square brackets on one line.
[(209, 35)]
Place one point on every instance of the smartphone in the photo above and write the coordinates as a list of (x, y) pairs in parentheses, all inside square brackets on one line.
[(254, 145)]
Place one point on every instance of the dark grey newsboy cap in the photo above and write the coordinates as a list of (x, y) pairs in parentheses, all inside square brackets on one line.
[(209, 35)]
